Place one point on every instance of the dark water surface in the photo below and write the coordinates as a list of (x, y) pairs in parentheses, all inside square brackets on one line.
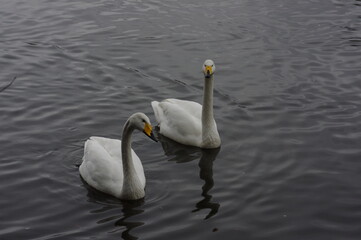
[(287, 103)]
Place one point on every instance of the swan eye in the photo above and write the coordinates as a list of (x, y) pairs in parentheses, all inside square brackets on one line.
[(212, 65), (143, 120)]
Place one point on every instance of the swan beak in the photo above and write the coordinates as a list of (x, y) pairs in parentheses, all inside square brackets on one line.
[(208, 71), (149, 131)]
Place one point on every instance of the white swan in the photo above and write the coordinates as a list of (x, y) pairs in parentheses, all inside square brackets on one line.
[(188, 122), (111, 166)]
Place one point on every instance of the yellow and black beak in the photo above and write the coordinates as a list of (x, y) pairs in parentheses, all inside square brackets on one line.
[(208, 71), (149, 131)]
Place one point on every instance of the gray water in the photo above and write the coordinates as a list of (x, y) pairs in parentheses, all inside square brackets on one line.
[(286, 101)]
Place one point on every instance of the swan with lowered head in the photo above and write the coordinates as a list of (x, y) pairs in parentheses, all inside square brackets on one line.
[(189, 122), (111, 166)]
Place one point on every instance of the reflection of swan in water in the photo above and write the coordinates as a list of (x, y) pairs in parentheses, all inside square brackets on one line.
[(116, 210), (182, 153), (206, 173), (129, 209)]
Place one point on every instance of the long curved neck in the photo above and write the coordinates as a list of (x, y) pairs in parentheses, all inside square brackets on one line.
[(127, 159), (210, 136), (132, 188), (207, 109)]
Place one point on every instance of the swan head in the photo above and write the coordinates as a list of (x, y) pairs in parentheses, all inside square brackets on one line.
[(141, 122), (208, 68)]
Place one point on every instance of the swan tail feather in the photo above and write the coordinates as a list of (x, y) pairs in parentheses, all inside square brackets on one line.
[(157, 111)]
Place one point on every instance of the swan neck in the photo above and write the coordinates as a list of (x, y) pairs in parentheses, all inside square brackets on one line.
[(132, 187), (207, 109), (127, 148), (210, 136)]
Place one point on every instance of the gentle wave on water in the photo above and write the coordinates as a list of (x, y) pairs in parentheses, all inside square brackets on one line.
[(286, 103)]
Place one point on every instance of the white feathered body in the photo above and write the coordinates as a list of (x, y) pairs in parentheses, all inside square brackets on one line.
[(102, 166), (181, 121)]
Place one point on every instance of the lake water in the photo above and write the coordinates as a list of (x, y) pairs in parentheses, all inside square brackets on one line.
[(287, 102)]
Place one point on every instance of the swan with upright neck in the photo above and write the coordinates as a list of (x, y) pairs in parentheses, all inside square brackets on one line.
[(111, 166), (189, 122)]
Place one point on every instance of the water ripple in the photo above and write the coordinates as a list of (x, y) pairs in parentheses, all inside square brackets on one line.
[(286, 102)]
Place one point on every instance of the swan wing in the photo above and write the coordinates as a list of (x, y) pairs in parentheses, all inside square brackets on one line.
[(179, 120), (113, 148), (102, 166)]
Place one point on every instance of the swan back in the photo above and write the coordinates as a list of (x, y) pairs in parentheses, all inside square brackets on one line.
[(111, 166), (179, 120), (102, 166), (189, 122)]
